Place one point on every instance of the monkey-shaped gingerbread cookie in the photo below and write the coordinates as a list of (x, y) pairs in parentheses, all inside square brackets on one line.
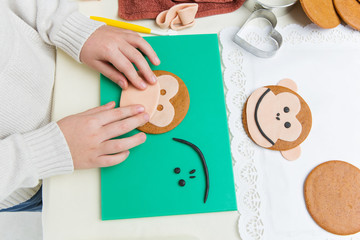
[(166, 102), (277, 118)]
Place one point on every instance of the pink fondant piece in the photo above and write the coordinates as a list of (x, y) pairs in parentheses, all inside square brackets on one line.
[(288, 83), (164, 19), (149, 97), (292, 154), (272, 118), (166, 115), (178, 17), (176, 24)]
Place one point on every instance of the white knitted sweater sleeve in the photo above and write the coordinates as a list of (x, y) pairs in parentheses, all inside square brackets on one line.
[(58, 22), (28, 157)]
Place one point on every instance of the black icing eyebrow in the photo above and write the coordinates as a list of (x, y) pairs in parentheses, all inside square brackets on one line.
[(193, 146), (256, 117)]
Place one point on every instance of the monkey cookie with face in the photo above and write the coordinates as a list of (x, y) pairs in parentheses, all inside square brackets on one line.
[(277, 118), (166, 102)]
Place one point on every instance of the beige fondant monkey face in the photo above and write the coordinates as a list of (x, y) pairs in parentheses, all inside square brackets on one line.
[(166, 102), (174, 102), (165, 111), (277, 118)]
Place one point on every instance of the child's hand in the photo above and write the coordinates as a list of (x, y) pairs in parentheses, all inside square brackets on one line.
[(89, 134), (112, 51)]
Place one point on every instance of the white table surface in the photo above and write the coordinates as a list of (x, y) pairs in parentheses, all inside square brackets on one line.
[(72, 202)]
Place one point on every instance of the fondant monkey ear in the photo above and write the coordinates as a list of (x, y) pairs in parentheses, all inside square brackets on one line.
[(292, 154), (288, 83)]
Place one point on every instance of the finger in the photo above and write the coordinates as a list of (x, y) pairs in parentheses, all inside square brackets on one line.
[(101, 108), (123, 64), (119, 113), (121, 127), (120, 145), (139, 60), (111, 160), (145, 48), (112, 73)]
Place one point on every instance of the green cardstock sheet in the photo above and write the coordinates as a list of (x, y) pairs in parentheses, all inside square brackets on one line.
[(145, 184)]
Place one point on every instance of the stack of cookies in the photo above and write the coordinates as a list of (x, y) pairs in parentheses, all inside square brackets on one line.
[(327, 13)]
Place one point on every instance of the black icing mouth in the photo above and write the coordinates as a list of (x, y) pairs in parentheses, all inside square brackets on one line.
[(256, 117)]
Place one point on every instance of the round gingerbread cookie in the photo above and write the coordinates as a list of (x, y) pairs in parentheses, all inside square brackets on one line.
[(349, 11), (172, 106), (277, 118), (332, 194), (321, 12)]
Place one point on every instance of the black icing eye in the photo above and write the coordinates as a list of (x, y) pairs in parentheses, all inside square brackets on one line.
[(286, 109), (182, 182), (287, 124)]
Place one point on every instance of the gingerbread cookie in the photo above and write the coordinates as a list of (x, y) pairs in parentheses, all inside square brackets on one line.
[(321, 12), (349, 11), (166, 102), (277, 118), (332, 193)]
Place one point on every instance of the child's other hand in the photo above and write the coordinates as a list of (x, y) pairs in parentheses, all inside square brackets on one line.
[(112, 51), (89, 134)]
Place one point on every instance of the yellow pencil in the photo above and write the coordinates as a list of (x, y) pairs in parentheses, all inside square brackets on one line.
[(129, 26)]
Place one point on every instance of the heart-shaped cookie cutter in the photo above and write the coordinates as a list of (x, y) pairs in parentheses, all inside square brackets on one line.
[(275, 35)]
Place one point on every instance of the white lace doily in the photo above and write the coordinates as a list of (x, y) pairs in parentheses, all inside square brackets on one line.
[(247, 172)]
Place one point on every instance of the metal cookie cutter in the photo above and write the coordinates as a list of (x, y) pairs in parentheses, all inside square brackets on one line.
[(277, 9), (275, 35), (268, 11)]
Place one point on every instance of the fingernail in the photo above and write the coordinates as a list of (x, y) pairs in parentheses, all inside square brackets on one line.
[(143, 85), (127, 153), (143, 137), (121, 84), (109, 104), (140, 109), (153, 79), (157, 61)]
